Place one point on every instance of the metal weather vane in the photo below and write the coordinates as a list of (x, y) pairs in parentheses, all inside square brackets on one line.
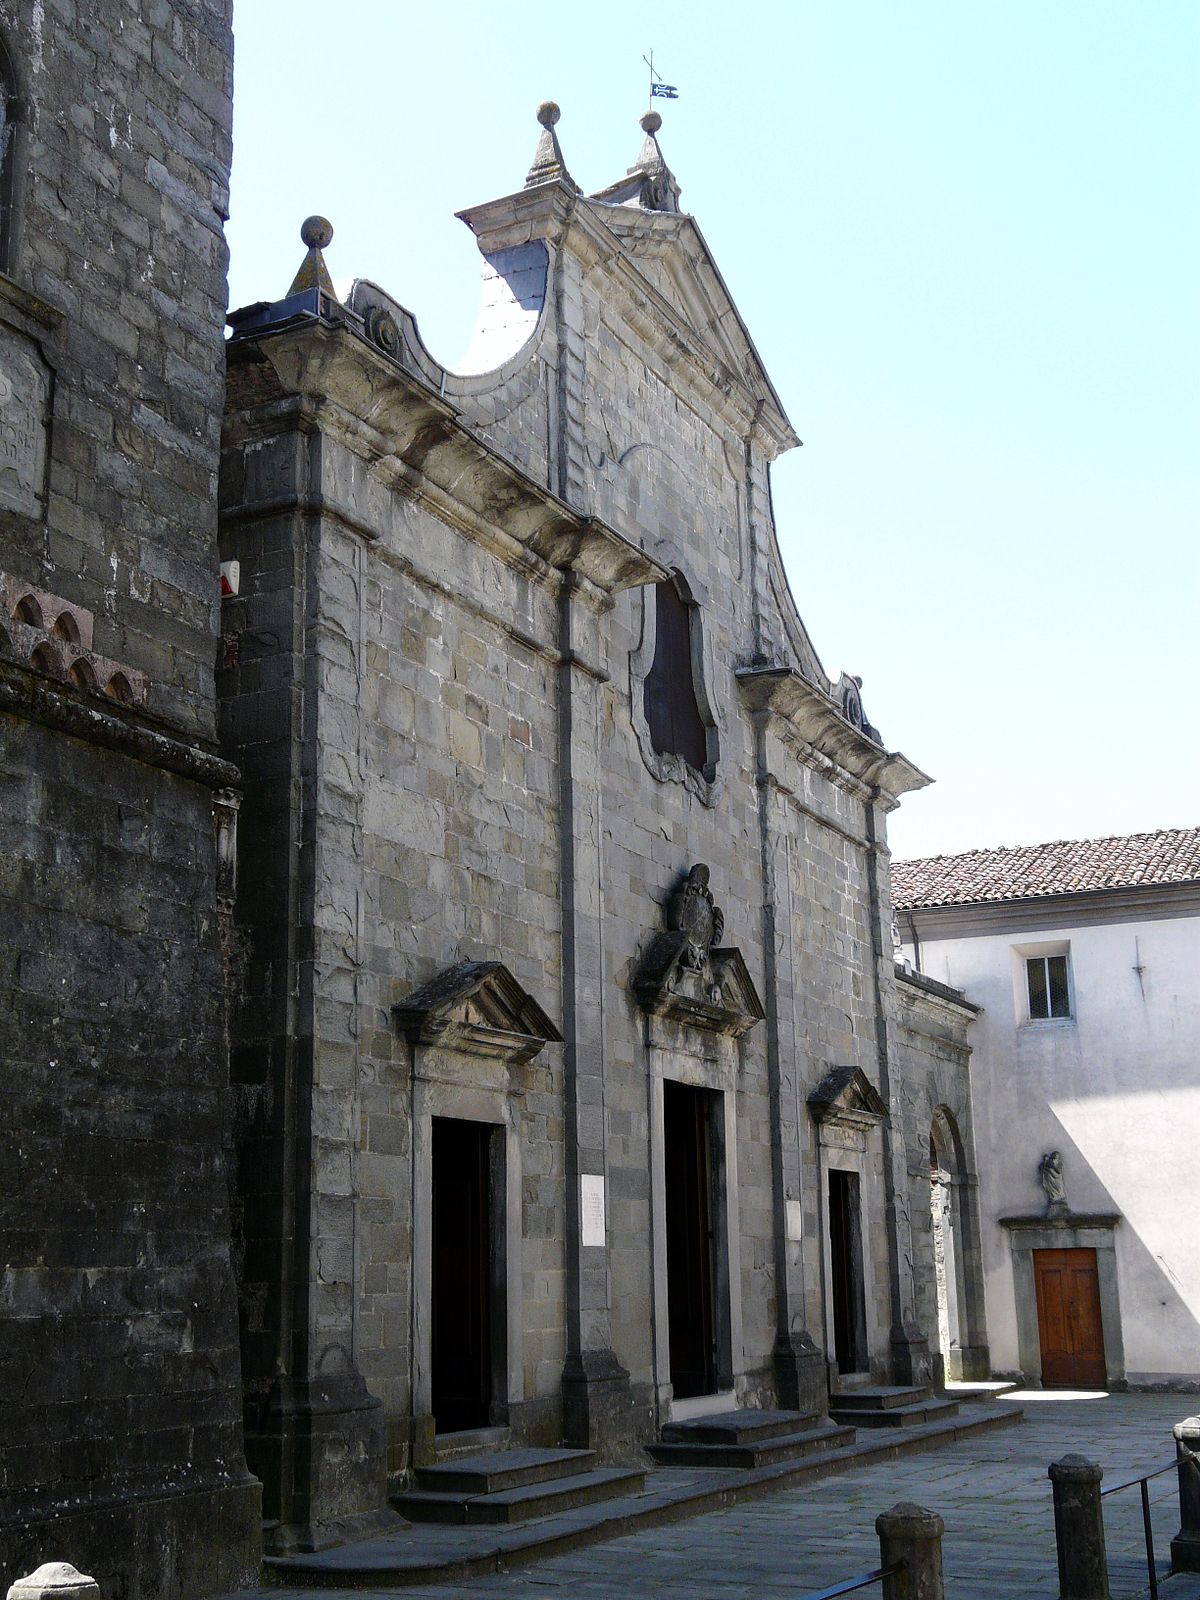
[(658, 89)]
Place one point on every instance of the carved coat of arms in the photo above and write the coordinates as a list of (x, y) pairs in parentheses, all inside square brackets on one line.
[(685, 974)]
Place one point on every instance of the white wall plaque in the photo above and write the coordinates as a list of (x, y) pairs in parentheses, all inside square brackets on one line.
[(591, 1210), (795, 1220)]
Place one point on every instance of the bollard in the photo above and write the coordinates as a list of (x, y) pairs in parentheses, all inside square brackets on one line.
[(1185, 1546), (1079, 1529), (912, 1535), (57, 1580)]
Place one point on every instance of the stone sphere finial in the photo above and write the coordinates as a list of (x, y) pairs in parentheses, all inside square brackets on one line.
[(548, 113), (650, 122), (316, 232)]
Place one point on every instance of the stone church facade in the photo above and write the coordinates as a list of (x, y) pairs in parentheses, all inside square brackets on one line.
[(540, 1011), (576, 1086)]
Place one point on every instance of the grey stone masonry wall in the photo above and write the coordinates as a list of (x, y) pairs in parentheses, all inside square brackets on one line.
[(436, 690), (119, 1380), (932, 1059)]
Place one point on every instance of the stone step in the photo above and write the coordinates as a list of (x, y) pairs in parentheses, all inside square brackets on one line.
[(544, 1498), (879, 1397), (494, 1471), (931, 1410), (422, 1554), (737, 1427), (765, 1452)]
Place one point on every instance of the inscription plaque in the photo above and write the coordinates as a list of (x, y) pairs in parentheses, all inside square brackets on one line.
[(24, 424)]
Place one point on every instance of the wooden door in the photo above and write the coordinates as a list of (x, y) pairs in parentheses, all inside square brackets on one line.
[(462, 1262), (1069, 1323), (687, 1129)]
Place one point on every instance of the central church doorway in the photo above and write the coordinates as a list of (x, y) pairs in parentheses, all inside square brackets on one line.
[(461, 1312), (846, 1273), (688, 1129)]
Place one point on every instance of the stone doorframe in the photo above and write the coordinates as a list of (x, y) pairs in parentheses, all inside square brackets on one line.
[(468, 1029), (848, 1113), (1070, 1231), (702, 1061)]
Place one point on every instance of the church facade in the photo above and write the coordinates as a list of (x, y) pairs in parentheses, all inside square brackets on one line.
[(576, 1087)]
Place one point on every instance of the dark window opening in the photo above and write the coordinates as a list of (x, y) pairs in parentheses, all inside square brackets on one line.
[(1049, 994), (672, 711)]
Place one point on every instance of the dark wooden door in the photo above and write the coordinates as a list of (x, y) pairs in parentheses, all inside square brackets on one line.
[(462, 1258), (1069, 1322), (846, 1273), (687, 1127)]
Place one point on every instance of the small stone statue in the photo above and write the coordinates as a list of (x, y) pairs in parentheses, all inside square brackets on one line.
[(1050, 1175)]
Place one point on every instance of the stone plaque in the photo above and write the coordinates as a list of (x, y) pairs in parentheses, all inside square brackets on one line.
[(24, 424), (591, 1210)]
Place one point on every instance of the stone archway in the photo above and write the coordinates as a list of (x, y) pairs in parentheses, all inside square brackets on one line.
[(943, 1169)]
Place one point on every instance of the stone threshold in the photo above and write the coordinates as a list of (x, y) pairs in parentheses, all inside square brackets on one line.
[(434, 1553)]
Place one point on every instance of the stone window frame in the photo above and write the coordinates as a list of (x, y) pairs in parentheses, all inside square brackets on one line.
[(1024, 953), (669, 768)]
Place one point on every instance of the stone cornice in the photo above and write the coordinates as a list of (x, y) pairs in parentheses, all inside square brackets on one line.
[(414, 438), (817, 724), (36, 698), (1150, 902), (930, 990)]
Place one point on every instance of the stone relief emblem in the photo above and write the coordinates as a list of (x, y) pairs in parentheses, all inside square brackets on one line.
[(1053, 1181), (692, 911), (686, 975)]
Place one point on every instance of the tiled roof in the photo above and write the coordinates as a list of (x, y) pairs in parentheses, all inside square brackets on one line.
[(1068, 866)]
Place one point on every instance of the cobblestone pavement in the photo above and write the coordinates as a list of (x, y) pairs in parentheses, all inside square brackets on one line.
[(993, 1494)]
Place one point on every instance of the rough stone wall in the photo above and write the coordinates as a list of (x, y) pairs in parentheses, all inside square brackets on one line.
[(119, 1435)]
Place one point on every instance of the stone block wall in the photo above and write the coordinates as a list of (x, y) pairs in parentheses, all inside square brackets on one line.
[(119, 1383)]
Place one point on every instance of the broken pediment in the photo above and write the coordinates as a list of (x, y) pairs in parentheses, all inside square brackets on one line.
[(686, 976), (479, 1008), (846, 1095)]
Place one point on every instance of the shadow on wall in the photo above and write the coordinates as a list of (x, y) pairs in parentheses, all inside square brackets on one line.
[(1158, 1323)]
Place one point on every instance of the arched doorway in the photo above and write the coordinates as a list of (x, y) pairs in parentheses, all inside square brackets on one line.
[(944, 1173)]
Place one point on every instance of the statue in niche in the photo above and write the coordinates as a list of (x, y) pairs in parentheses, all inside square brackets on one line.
[(1050, 1175)]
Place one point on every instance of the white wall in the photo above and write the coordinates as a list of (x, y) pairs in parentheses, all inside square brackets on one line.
[(1117, 1090)]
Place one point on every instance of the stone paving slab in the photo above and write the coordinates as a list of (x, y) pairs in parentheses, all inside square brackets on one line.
[(991, 1490)]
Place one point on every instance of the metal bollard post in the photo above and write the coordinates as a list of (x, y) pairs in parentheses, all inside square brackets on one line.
[(1079, 1529), (57, 1580), (1185, 1546), (911, 1535)]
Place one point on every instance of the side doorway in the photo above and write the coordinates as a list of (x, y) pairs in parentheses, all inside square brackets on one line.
[(1070, 1325)]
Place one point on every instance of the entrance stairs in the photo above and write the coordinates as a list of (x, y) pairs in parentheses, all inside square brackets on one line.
[(891, 1406), (746, 1439), (506, 1486), (485, 1508)]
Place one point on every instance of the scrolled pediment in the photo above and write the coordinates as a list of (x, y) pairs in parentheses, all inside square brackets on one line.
[(479, 1009)]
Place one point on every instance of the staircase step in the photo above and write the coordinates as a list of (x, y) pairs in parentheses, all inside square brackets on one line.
[(523, 1504), (737, 1427), (882, 1397), (757, 1453), (931, 1410), (499, 1470)]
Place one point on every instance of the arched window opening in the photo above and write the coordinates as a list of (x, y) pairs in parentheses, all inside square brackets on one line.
[(66, 628), (118, 689), (672, 710), (28, 611), (81, 674), (45, 659)]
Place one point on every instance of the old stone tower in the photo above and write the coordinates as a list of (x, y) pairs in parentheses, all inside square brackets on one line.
[(575, 1084), (120, 1439)]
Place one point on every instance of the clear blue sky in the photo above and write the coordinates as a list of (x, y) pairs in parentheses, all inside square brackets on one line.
[(964, 236)]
